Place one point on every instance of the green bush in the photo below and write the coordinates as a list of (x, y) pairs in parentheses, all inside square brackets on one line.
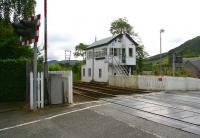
[(76, 69), (55, 67), (9, 43), (12, 80), (147, 66)]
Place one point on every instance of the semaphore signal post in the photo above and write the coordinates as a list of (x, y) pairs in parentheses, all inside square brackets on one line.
[(28, 30)]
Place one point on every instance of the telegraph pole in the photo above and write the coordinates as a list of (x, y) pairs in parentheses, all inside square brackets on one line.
[(46, 96), (67, 56)]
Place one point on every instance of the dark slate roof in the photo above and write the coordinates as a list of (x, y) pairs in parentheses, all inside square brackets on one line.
[(108, 40), (102, 41)]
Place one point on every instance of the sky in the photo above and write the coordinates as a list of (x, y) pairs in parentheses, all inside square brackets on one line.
[(71, 22)]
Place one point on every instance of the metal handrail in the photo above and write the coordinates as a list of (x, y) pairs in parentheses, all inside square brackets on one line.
[(121, 68)]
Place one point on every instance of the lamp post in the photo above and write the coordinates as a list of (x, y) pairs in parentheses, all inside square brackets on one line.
[(161, 31)]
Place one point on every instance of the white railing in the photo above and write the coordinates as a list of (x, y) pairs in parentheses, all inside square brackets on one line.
[(40, 91), (116, 65), (122, 70)]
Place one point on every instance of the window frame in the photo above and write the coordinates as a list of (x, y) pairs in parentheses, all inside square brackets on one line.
[(100, 73), (115, 51), (130, 53), (89, 72), (83, 72)]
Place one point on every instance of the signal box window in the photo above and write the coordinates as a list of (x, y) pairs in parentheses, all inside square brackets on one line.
[(130, 52), (84, 72), (89, 72), (100, 73), (115, 51)]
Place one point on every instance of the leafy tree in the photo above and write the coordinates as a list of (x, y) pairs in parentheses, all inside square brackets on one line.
[(9, 43), (14, 10), (6, 30), (80, 50), (76, 68), (140, 56), (121, 26), (10, 51)]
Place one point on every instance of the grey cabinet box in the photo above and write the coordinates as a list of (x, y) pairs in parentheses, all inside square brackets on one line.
[(57, 89)]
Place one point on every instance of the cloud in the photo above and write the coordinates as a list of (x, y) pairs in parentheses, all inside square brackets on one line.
[(57, 38), (176, 40), (73, 22)]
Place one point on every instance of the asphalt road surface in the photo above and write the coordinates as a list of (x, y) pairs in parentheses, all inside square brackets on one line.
[(163, 114)]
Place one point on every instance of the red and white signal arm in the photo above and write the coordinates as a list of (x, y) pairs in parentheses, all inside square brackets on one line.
[(34, 39)]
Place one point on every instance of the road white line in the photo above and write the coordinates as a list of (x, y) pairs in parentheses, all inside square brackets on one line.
[(48, 118), (75, 111)]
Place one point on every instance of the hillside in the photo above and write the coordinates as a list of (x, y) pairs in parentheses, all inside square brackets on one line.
[(157, 57), (188, 49), (72, 62)]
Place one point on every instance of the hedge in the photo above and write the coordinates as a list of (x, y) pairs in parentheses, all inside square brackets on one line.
[(12, 80)]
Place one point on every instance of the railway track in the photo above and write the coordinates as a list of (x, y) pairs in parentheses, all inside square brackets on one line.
[(103, 91)]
